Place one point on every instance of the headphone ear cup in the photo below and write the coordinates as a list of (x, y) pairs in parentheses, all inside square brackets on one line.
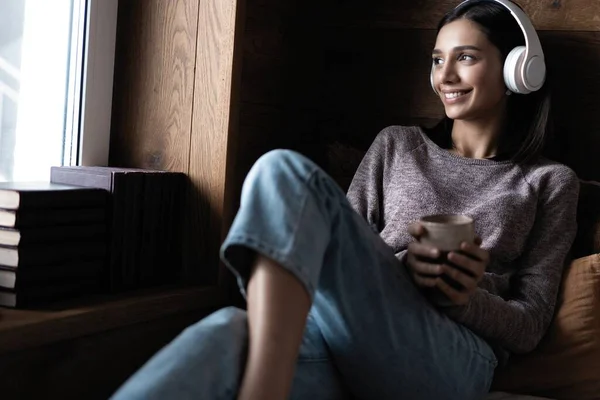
[(512, 68)]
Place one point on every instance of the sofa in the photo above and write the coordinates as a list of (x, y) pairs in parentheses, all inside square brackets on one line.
[(566, 363)]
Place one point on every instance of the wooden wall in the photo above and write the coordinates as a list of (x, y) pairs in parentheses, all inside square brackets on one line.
[(193, 94), (174, 107), (317, 73), (281, 79), (207, 86)]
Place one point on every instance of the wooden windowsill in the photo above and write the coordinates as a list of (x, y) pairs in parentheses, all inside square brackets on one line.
[(21, 329)]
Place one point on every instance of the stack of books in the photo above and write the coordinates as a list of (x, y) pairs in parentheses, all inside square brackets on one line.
[(53, 241), (146, 209)]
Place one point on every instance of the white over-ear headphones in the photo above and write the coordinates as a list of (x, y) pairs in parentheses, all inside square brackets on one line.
[(524, 67)]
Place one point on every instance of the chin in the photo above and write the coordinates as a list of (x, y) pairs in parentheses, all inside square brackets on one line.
[(454, 115), (461, 113)]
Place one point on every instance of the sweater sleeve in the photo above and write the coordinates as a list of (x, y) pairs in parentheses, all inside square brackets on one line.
[(365, 193), (518, 322)]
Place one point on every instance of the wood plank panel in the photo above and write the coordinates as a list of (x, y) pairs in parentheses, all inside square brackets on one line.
[(22, 329), (276, 80), (153, 90), (214, 120), (379, 77), (563, 15), (278, 86)]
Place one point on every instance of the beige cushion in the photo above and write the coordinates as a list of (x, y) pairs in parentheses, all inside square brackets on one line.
[(566, 364)]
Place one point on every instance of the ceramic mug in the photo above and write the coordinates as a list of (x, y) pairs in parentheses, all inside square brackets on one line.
[(446, 232)]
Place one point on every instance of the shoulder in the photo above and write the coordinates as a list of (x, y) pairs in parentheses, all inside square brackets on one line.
[(397, 139), (551, 179)]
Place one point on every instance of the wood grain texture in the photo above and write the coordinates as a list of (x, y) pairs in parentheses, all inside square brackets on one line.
[(21, 329), (154, 82), (563, 15), (212, 124), (277, 75)]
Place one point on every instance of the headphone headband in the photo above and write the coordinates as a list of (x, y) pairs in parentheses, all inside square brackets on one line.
[(524, 68)]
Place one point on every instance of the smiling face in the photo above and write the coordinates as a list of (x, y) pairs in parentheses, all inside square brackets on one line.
[(467, 73)]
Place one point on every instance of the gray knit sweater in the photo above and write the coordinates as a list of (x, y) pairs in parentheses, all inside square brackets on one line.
[(525, 215)]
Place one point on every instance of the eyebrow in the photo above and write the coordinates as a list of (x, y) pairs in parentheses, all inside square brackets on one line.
[(458, 48)]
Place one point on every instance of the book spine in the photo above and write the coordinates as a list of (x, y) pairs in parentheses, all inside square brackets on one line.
[(39, 218), (54, 254), (54, 234)]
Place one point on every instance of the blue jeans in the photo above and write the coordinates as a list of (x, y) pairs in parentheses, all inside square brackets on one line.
[(371, 334)]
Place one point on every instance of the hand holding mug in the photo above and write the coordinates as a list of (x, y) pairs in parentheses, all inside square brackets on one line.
[(446, 260)]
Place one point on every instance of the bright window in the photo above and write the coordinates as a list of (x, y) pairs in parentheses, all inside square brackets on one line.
[(55, 89)]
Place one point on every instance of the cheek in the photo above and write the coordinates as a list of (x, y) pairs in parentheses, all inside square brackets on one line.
[(490, 85)]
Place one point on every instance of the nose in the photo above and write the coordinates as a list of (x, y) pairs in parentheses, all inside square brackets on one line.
[(447, 73)]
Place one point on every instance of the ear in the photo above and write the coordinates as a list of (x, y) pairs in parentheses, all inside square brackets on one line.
[(431, 80)]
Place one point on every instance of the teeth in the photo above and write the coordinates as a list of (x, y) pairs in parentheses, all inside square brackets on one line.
[(453, 95)]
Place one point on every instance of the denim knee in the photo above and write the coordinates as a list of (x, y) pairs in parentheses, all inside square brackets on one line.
[(223, 325), (279, 157), (282, 164)]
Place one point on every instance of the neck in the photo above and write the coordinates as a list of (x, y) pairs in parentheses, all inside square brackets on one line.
[(474, 139)]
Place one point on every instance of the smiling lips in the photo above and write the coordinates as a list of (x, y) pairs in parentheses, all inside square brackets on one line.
[(451, 96)]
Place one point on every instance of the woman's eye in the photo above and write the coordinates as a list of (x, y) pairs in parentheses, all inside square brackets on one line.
[(437, 61), (466, 57)]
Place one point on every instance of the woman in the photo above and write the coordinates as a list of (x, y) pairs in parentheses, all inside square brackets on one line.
[(337, 287)]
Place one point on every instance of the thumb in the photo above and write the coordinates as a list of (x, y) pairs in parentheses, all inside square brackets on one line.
[(416, 230)]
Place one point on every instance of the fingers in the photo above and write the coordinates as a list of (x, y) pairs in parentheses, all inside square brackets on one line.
[(468, 282), (424, 281), (424, 273), (466, 272), (416, 230), (422, 267), (474, 268), (475, 251), (422, 250), (460, 298), (459, 278), (417, 257)]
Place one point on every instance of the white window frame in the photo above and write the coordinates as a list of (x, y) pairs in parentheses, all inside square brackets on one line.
[(97, 91)]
